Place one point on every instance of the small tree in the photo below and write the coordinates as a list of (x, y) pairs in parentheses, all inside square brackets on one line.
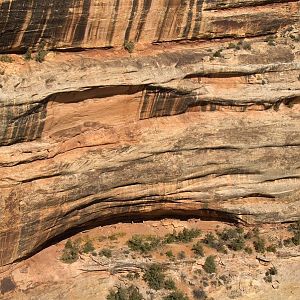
[(154, 276), (122, 293), (176, 295), (106, 252), (210, 265), (198, 249), (129, 46), (259, 245), (70, 252), (88, 247), (170, 284), (28, 54), (199, 294)]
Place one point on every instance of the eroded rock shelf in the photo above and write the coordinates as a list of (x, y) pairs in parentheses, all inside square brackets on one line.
[(202, 123)]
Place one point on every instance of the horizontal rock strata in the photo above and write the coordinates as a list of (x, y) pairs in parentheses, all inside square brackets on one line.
[(200, 129)]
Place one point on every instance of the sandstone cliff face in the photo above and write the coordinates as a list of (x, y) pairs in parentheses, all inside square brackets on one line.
[(106, 23), (199, 128)]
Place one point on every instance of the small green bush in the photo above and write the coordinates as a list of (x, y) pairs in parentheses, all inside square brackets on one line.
[(28, 54), (181, 255), (143, 244), (41, 52), (88, 247), (170, 254), (296, 238), (6, 59), (271, 40), (259, 245), (41, 55), (129, 46), (132, 275), (106, 252), (271, 248), (210, 265), (129, 293), (237, 244), (184, 236), (170, 284), (210, 240), (268, 278), (198, 249), (231, 46), (154, 276), (199, 294), (70, 253), (218, 53), (248, 250), (272, 271), (246, 45), (176, 295)]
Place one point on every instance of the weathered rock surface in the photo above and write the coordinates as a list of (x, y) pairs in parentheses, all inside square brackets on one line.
[(106, 23), (95, 136)]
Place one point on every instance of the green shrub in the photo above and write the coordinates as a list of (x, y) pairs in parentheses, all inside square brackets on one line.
[(270, 40), (154, 276), (129, 46), (246, 45), (198, 249), (132, 275), (296, 238), (213, 242), (129, 293), (199, 294), (272, 271), (271, 248), (170, 284), (6, 59), (268, 278), (170, 254), (28, 54), (88, 247), (210, 240), (70, 253), (41, 55), (184, 236), (248, 250), (116, 235), (181, 255), (236, 244), (288, 242), (295, 229), (269, 273), (218, 53), (143, 244), (176, 295), (231, 46), (210, 265), (259, 245), (106, 252)]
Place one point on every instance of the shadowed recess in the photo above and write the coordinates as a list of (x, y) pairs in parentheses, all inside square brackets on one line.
[(135, 216)]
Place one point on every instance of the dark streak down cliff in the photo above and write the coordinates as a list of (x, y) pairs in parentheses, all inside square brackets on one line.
[(93, 136)]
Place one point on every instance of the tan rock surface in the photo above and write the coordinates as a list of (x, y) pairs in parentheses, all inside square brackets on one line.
[(97, 136)]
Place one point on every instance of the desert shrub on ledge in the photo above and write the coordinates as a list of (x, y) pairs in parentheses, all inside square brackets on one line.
[(210, 265), (143, 244), (71, 252), (125, 293)]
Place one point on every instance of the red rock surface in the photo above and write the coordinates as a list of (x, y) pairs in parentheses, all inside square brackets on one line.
[(200, 128)]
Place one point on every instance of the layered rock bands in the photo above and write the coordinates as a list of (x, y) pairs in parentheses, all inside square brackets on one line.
[(200, 128)]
